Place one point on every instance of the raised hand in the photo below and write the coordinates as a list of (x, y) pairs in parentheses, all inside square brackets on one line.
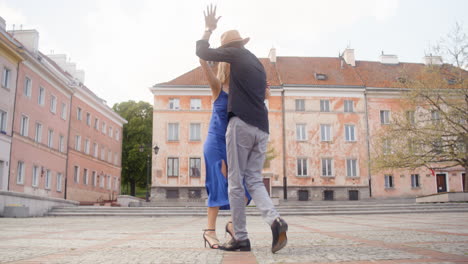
[(211, 22)]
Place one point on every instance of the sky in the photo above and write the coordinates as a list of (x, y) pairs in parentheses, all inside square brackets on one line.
[(127, 46)]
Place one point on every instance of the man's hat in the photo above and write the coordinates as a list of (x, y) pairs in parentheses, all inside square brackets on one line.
[(232, 36)]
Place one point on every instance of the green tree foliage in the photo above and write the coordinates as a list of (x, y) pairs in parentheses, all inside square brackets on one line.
[(137, 132)]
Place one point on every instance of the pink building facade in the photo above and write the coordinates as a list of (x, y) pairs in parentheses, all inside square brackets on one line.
[(54, 151), (324, 115)]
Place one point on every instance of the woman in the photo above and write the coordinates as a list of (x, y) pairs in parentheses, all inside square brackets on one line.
[(215, 152)]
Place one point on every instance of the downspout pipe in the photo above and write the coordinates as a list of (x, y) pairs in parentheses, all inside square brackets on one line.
[(368, 145)]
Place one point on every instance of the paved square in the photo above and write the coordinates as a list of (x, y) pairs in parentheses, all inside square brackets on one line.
[(388, 239)]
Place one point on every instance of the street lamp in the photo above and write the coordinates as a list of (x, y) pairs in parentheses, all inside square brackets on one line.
[(156, 150)]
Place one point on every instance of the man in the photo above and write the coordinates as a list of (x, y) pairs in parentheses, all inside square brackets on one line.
[(247, 133)]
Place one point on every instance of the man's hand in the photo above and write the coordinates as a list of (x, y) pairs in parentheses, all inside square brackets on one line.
[(211, 22)]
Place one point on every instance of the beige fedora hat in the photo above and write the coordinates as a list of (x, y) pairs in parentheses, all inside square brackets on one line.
[(232, 36)]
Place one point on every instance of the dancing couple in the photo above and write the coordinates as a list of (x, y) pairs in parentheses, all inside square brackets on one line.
[(237, 139)]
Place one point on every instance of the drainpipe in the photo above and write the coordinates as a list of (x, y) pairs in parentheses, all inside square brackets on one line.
[(368, 146), (68, 143), (285, 179), (13, 125)]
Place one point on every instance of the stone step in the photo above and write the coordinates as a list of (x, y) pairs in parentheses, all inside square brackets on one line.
[(256, 213)]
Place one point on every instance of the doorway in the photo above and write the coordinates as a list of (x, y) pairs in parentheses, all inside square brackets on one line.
[(266, 182), (463, 182), (441, 182), (2, 166)]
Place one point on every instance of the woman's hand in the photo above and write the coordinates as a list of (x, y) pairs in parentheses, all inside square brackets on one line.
[(211, 22)]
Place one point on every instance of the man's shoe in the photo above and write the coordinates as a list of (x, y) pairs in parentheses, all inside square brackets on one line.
[(236, 245), (278, 229)]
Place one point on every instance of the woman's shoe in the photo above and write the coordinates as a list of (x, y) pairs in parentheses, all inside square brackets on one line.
[(215, 245), (230, 231)]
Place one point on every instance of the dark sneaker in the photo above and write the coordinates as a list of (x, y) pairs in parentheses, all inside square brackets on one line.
[(235, 245), (278, 229)]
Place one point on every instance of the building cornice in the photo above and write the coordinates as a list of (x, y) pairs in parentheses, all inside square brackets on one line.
[(99, 105)]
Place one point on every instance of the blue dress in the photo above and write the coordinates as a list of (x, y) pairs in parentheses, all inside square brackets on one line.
[(214, 151)]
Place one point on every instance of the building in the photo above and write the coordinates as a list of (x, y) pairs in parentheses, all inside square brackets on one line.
[(65, 141), (323, 112), (10, 57)]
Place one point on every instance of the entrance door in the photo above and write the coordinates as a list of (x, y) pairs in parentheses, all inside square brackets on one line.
[(266, 181), (441, 183)]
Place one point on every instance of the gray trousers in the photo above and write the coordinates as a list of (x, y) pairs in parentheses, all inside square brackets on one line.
[(246, 147)]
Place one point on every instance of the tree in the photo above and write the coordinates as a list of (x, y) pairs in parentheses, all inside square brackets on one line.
[(137, 132), (431, 130)]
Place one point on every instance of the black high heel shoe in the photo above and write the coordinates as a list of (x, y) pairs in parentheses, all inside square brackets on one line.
[(214, 245), (227, 231)]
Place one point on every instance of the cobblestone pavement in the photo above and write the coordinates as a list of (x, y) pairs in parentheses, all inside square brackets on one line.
[(387, 239)]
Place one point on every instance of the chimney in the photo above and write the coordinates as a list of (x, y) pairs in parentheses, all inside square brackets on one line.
[(272, 55), (388, 59), (2, 23), (70, 67), (432, 60), (348, 56), (29, 38)]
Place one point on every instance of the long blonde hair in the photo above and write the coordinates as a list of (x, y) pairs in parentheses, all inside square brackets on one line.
[(224, 71)]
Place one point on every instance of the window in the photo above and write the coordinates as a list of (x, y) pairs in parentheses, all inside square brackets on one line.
[(327, 167), (349, 133), (41, 98), (78, 113), (20, 173), (27, 87), (116, 158), (328, 195), (103, 127), (195, 104), (414, 180), (348, 106), (384, 117), (194, 194), (173, 132), (300, 105), (351, 168), (111, 132), (102, 180), (85, 176), (387, 146), (437, 146), (96, 123), (301, 132), (95, 150), (61, 143), (109, 183), (388, 181), (172, 194), (24, 126), (103, 153), (88, 119), (195, 166), (6, 78), (53, 104), (35, 176), (324, 105), (117, 135), (64, 111), (195, 132), (38, 135), (435, 115), (59, 182), (86, 146), (50, 138), (78, 143), (3, 121), (174, 104), (325, 132), (76, 174), (116, 186), (109, 156), (301, 167), (48, 179), (410, 117), (94, 179), (172, 167)]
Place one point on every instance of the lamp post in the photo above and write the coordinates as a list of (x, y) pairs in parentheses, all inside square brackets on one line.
[(148, 160)]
